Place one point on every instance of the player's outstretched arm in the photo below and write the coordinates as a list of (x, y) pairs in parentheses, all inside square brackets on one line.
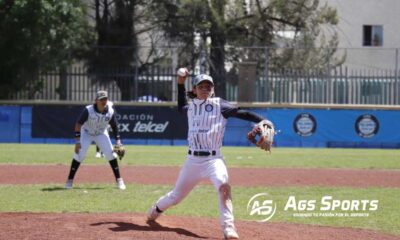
[(229, 110), (263, 128), (248, 116), (182, 102)]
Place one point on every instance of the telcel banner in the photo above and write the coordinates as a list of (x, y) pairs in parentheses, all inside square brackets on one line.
[(134, 122)]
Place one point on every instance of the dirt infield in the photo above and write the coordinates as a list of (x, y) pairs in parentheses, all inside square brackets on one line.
[(16, 174), (133, 226), (123, 226)]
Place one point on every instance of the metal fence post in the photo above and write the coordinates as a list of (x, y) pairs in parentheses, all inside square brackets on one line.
[(331, 84), (136, 83), (266, 76), (174, 66), (396, 73)]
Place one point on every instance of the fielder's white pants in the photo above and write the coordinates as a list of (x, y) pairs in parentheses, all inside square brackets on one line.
[(193, 171), (102, 140)]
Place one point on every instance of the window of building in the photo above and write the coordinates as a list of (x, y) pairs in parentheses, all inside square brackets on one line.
[(372, 35)]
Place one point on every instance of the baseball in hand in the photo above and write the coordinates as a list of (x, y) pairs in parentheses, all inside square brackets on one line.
[(182, 72)]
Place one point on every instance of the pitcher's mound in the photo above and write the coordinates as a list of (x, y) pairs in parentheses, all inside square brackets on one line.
[(120, 226)]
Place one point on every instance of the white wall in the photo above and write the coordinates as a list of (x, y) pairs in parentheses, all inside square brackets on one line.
[(353, 14)]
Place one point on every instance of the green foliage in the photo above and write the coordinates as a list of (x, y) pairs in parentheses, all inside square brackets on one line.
[(234, 156), (116, 41), (42, 34), (252, 23)]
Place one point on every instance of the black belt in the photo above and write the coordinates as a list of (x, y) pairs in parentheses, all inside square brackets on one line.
[(202, 153)]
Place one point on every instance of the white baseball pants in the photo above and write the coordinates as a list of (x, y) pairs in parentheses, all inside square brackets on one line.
[(193, 171), (102, 140)]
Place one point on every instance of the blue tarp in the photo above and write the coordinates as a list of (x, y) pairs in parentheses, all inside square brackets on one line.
[(10, 123), (296, 128)]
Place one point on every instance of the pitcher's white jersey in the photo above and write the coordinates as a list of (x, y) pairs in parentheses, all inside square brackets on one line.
[(207, 120), (97, 123), (206, 124)]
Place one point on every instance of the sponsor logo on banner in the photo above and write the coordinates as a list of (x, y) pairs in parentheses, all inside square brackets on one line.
[(304, 124), (134, 122), (367, 126), (141, 123)]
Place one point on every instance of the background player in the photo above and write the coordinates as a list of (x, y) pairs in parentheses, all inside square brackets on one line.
[(92, 127), (207, 118)]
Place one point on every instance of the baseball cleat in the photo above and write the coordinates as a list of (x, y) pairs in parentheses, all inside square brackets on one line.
[(121, 184), (98, 155), (68, 184), (153, 214), (230, 233)]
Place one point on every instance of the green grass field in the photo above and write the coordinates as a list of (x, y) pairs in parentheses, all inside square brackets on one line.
[(138, 198), (235, 156)]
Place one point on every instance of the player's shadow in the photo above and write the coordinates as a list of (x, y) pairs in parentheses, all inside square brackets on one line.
[(152, 226), (53, 189)]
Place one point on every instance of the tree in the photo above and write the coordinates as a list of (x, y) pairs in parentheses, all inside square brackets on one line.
[(223, 25), (38, 36), (309, 46), (191, 24), (119, 24), (219, 39)]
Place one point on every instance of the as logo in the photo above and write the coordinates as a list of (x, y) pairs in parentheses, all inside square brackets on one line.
[(261, 206)]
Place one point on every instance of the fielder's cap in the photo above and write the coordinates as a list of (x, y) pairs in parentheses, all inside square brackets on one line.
[(201, 78), (101, 94)]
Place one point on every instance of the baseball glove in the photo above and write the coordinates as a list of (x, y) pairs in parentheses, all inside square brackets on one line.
[(265, 132), (119, 150)]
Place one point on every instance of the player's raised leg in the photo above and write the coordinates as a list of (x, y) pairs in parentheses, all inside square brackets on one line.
[(189, 176)]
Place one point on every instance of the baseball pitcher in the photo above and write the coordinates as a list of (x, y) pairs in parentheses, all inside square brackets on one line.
[(207, 117)]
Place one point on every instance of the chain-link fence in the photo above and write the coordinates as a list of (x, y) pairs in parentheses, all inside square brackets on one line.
[(334, 76)]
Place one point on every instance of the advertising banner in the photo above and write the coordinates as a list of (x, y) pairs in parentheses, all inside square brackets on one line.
[(10, 118), (134, 122), (335, 127), (294, 127)]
